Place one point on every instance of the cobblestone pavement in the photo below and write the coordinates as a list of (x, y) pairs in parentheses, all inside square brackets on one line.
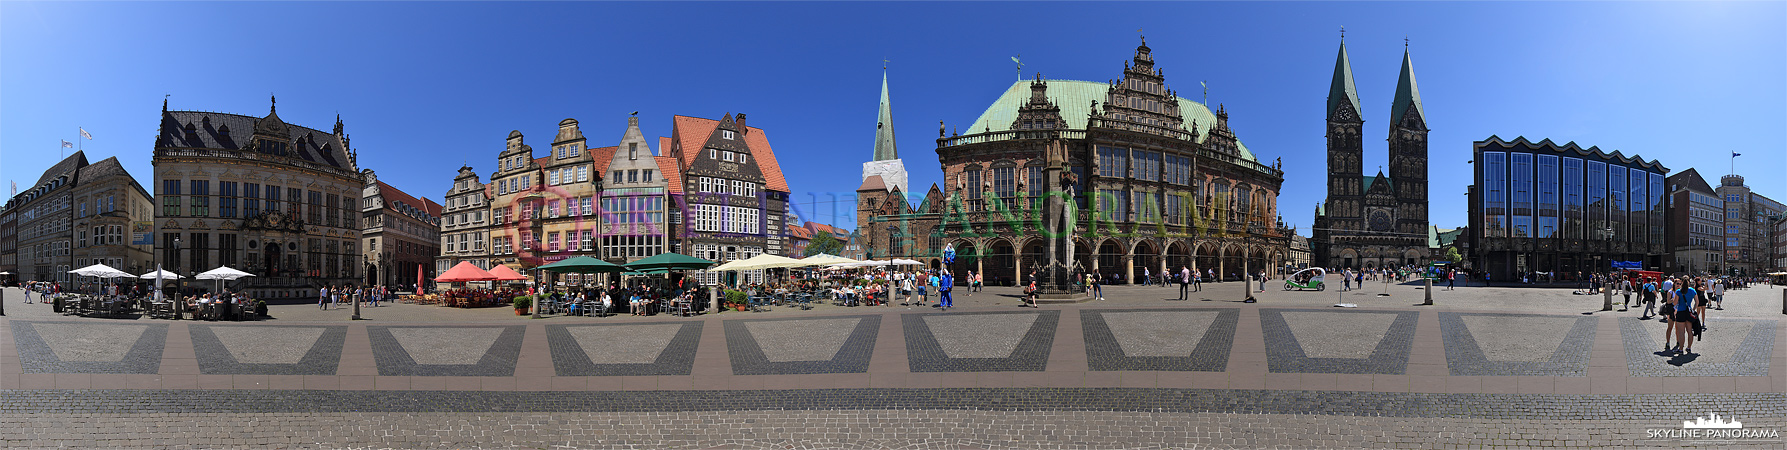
[(1485, 367)]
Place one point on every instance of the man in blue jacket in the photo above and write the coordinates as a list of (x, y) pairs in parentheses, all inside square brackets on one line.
[(946, 283)]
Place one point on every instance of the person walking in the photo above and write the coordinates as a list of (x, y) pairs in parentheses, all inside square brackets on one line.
[(322, 298), (1346, 280), (1184, 282), (1147, 276), (1262, 281), (1648, 296), (1625, 289), (945, 284), (1197, 281), (1451, 279), (1684, 320), (1719, 294), (1097, 287)]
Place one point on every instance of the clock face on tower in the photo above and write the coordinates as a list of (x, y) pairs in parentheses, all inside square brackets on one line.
[(1344, 113), (1380, 221)]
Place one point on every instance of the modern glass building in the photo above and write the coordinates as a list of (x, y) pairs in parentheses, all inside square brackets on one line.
[(1561, 211)]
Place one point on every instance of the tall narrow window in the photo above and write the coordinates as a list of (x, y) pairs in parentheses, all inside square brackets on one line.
[(632, 150)]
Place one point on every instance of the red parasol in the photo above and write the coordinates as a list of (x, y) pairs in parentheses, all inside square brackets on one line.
[(504, 273), (465, 271)]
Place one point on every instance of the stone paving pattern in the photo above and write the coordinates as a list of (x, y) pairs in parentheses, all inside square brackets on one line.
[(666, 348), (979, 341), (268, 349), (1151, 339), (1053, 390), (86, 347), (1517, 344), (779, 347), (1736, 347), (446, 350), (1338, 341)]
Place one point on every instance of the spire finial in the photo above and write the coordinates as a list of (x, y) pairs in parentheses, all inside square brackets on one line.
[(1138, 32), (1405, 43), (275, 100), (164, 102), (884, 63), (1343, 34)]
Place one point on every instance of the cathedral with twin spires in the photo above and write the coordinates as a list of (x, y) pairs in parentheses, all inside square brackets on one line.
[(1374, 221)]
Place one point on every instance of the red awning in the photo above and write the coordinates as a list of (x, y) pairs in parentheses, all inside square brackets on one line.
[(504, 273), (465, 271)]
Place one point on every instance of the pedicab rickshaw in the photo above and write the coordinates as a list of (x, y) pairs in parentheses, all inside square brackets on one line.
[(1310, 278)]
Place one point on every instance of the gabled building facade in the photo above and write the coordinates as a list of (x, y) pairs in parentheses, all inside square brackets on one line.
[(734, 200), (277, 200), (400, 234), (78, 214), (1696, 235)]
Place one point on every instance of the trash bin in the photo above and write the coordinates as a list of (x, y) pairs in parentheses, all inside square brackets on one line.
[(57, 305)]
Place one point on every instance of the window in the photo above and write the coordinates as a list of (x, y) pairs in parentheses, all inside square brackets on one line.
[(1495, 194), (1147, 208), (632, 150), (1177, 170), (582, 174), (713, 154), (645, 176), (552, 241), (726, 134), (726, 156), (587, 210), (1005, 183), (633, 176), (1113, 205), (576, 149), (1112, 161), (1145, 166), (1033, 181), (742, 157), (1547, 199), (200, 205), (973, 185), (552, 177)]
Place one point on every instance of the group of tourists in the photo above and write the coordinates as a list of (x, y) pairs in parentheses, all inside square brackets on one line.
[(333, 295), (1680, 301)]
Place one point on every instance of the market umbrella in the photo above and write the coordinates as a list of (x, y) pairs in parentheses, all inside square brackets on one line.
[(825, 259), (100, 271), (583, 264), (907, 262), (763, 261), (159, 274), (222, 273), (504, 273), (670, 261), (465, 271)]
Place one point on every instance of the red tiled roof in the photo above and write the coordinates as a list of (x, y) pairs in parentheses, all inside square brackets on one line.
[(393, 194), (543, 161), (667, 166), (694, 131), (601, 157), (818, 227), (872, 183), (800, 233)]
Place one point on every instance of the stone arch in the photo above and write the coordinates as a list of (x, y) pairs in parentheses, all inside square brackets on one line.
[(999, 267), (1082, 255), (1416, 256), (1178, 255), (968, 255), (1146, 255), (1110, 258), (1346, 258), (1032, 255)]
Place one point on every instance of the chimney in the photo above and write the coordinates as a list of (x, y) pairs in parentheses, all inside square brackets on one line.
[(740, 121)]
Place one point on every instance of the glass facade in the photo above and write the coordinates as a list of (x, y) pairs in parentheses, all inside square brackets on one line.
[(1495, 194), (1585, 211)]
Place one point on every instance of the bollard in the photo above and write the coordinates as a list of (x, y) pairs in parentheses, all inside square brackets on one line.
[(1784, 302), (713, 300), (1429, 291), (356, 308), (1606, 299)]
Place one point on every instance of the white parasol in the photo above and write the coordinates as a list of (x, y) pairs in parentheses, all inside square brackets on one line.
[(222, 273)]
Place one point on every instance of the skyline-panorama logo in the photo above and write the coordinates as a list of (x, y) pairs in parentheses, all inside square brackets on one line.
[(1712, 427)]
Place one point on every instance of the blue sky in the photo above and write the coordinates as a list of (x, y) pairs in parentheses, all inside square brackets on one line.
[(425, 87)]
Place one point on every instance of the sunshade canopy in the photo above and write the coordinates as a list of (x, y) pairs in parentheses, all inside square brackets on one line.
[(583, 264), (160, 274), (670, 261), (99, 270), (504, 273), (826, 259), (465, 271), (223, 273), (763, 261)]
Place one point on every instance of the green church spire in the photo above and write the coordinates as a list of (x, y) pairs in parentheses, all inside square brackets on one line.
[(1342, 91), (1407, 96), (884, 130)]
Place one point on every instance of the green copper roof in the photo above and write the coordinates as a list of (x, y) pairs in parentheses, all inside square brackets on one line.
[(884, 130), (1075, 98), (1407, 96), (1342, 89)]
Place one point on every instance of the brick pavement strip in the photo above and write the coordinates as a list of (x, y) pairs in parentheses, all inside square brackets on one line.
[(882, 428)]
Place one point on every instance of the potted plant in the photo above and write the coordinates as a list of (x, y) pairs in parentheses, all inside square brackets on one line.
[(736, 299), (522, 303)]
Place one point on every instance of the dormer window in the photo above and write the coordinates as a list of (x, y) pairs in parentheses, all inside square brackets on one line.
[(726, 134)]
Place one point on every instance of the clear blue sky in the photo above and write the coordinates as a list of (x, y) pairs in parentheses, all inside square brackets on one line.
[(425, 87)]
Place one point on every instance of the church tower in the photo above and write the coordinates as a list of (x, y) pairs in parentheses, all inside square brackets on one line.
[(887, 163), (1345, 148), (1408, 152)]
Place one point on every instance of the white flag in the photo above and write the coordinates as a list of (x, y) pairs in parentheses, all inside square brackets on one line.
[(85, 135), (66, 144)]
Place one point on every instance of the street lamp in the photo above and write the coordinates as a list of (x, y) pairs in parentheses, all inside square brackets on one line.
[(180, 285)]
